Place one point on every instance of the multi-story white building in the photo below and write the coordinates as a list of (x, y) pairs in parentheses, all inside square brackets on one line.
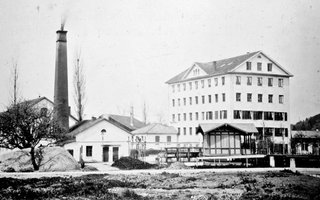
[(250, 88)]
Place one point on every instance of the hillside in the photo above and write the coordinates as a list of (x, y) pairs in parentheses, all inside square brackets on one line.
[(311, 123)]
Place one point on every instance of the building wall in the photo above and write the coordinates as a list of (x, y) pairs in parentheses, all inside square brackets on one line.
[(230, 88), (150, 140), (114, 137)]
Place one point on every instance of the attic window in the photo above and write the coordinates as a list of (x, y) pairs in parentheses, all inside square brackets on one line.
[(259, 56), (196, 72)]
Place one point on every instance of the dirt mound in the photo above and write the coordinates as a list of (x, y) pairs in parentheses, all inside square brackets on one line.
[(178, 165), (131, 163), (53, 159)]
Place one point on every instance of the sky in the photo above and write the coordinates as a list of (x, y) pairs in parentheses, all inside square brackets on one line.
[(130, 48)]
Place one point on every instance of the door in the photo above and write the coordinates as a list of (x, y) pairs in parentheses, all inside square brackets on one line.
[(115, 153), (105, 153)]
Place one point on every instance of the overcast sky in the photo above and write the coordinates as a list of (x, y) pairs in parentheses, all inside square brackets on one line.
[(131, 47)]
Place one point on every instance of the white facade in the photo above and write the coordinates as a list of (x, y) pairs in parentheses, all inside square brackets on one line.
[(218, 99), (156, 141), (99, 146)]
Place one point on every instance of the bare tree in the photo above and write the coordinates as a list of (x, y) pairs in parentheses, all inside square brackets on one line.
[(79, 84), (15, 76), (24, 126)]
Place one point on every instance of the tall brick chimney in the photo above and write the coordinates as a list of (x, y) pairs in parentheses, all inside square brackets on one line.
[(61, 103)]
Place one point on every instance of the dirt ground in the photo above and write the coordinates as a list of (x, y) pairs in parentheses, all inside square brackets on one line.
[(202, 186)]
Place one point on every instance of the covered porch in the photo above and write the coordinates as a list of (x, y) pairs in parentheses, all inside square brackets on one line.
[(227, 139)]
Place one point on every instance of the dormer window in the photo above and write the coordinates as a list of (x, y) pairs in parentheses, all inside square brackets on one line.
[(269, 67), (196, 72), (249, 66)]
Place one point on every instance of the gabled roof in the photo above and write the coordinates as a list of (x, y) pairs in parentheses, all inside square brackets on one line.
[(156, 128), (122, 122), (246, 128), (220, 67)]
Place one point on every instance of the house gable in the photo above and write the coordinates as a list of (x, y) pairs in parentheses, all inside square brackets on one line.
[(112, 134), (195, 71), (260, 59)]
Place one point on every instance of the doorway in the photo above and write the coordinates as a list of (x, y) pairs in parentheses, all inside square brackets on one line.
[(105, 155), (115, 153)]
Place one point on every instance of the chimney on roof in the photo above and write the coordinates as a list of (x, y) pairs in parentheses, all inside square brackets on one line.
[(131, 116), (61, 103), (215, 65)]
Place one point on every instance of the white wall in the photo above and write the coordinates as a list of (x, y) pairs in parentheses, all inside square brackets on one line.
[(151, 143), (114, 137)]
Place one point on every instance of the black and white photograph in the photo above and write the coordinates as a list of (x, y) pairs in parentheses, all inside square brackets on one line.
[(159, 99)]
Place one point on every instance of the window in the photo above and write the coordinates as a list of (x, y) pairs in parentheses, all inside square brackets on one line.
[(270, 82), (43, 111), (216, 114), (279, 132), (184, 101), (209, 98), (223, 97), (168, 138), (178, 102), (236, 114), (259, 81), (157, 139), (259, 66), (190, 100), (202, 83), (238, 96), (184, 116), (223, 114), (203, 99), (196, 84), (216, 81), (268, 116), (270, 98), (178, 87), (238, 80), (209, 115), (184, 86), (280, 82), (173, 103), (249, 97), (196, 99), (173, 117), (202, 113), (184, 131), (179, 117), (89, 151), (249, 66), (249, 80), (257, 115), (190, 85), (173, 89), (179, 131), (216, 97), (197, 116), (281, 97), (190, 116), (196, 72), (222, 80), (209, 82), (190, 130), (278, 116), (260, 98), (196, 130), (269, 67), (246, 114)]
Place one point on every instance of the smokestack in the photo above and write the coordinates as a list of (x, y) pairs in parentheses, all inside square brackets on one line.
[(61, 103), (215, 65)]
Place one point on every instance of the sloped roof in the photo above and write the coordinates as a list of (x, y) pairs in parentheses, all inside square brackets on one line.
[(156, 128), (305, 134), (219, 67), (122, 122), (244, 127)]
